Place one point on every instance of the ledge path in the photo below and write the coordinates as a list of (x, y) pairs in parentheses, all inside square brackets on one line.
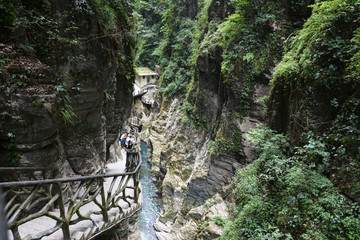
[(86, 229)]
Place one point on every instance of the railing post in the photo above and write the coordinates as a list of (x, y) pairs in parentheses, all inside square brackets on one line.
[(103, 202), (3, 225), (65, 224), (136, 179), (136, 186), (52, 189), (15, 232)]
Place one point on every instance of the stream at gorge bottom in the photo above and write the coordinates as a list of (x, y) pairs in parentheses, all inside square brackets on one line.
[(151, 202)]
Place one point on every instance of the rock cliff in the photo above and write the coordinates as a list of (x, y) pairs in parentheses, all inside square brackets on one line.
[(207, 107), (190, 172), (66, 83)]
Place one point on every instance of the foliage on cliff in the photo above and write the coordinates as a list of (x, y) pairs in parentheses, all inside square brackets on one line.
[(80, 53), (39, 32), (168, 35), (320, 51), (149, 20), (306, 185), (248, 33), (287, 197), (35, 26), (318, 77)]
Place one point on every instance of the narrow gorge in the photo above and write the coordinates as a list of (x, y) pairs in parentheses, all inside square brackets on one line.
[(248, 110)]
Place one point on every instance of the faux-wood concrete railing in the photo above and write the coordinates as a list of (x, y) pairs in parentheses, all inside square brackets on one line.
[(101, 200)]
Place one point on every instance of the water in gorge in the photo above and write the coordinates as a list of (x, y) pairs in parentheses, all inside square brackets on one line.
[(151, 205)]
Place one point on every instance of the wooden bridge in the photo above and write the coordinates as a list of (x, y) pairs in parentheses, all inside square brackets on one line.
[(70, 208)]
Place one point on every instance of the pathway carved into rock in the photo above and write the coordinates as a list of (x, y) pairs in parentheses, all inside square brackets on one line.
[(74, 207)]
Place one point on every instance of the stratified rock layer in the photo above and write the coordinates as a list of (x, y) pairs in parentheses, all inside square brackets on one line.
[(66, 108), (189, 174)]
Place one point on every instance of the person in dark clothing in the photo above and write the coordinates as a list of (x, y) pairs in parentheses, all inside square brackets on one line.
[(129, 144)]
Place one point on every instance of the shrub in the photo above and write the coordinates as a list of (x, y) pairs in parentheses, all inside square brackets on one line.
[(280, 196)]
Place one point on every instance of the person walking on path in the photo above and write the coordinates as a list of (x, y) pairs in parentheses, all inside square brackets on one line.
[(123, 139)]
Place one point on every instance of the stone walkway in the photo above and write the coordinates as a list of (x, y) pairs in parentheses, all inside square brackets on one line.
[(83, 229)]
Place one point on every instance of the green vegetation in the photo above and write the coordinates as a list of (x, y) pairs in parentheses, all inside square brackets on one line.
[(37, 105), (232, 145), (320, 50), (246, 42), (38, 30), (284, 196), (321, 58), (306, 185), (8, 14), (354, 66), (107, 95), (148, 31), (217, 220), (174, 49), (251, 38), (305, 182)]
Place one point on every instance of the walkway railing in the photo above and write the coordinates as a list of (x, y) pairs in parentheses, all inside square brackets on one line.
[(139, 93), (83, 205)]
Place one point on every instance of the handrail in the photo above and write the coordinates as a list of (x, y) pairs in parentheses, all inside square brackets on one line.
[(92, 199), (67, 179), (16, 174), (26, 168)]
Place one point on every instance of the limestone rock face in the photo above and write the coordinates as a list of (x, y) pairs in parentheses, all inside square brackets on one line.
[(185, 171), (63, 103), (191, 167), (193, 161), (29, 124)]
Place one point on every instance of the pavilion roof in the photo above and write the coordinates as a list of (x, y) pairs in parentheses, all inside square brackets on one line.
[(144, 71)]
